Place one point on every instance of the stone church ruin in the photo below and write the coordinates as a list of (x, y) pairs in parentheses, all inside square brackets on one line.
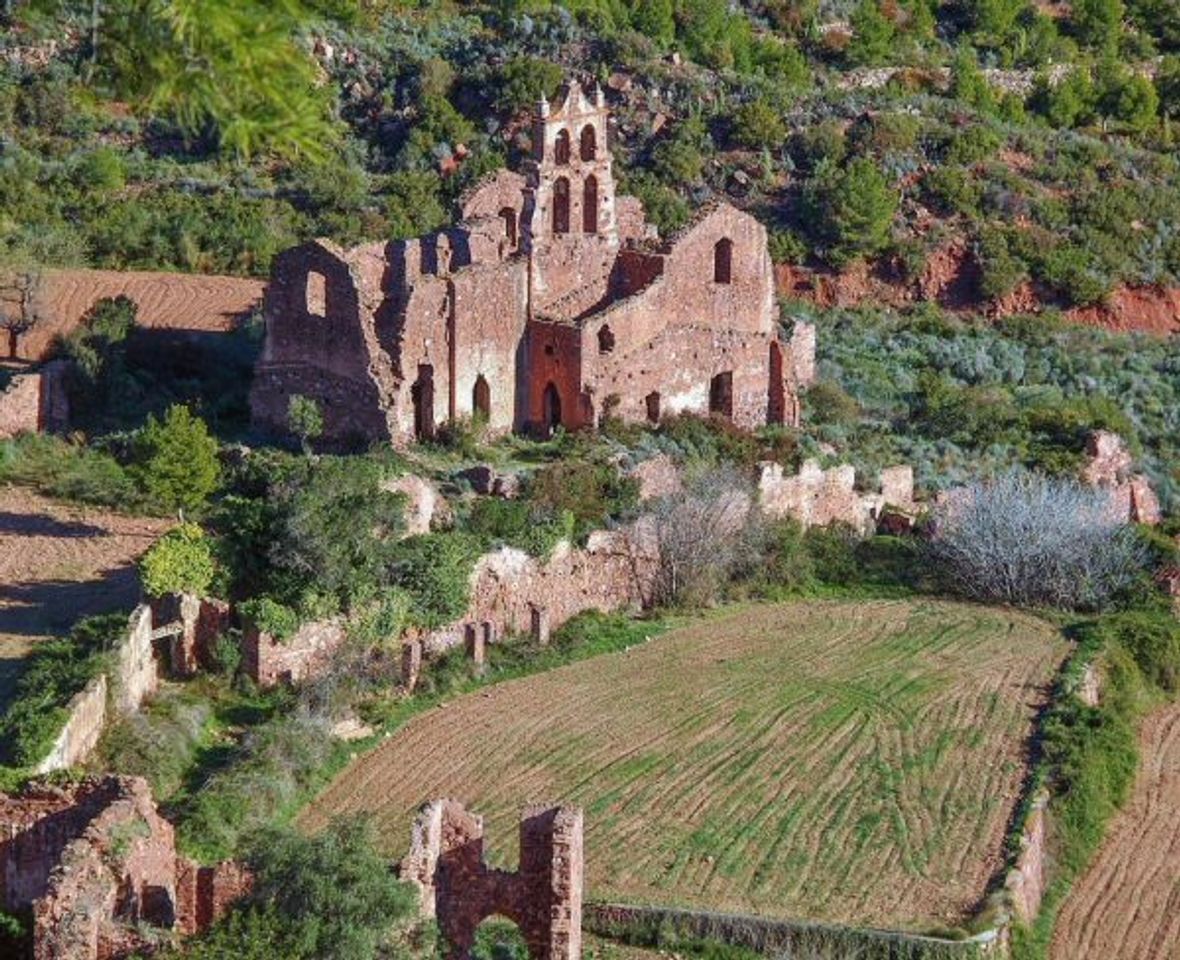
[(552, 302)]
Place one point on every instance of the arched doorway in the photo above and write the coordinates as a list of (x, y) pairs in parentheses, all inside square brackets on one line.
[(561, 205), (590, 205), (551, 407), (652, 403), (776, 389), (498, 938), (422, 394), (723, 261), (721, 394), (508, 215), (481, 398), (606, 339)]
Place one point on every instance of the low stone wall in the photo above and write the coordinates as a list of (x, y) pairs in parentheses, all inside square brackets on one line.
[(780, 938), (308, 653), (205, 893), (1026, 881), (137, 675), (133, 678), (79, 736), (34, 402)]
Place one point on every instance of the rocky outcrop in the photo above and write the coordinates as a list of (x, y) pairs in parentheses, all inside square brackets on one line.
[(818, 497), (1108, 467)]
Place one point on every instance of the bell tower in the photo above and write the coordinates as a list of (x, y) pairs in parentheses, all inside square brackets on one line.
[(569, 230)]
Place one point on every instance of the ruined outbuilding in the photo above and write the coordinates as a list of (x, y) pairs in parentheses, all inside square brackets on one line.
[(97, 865), (550, 303), (543, 898)]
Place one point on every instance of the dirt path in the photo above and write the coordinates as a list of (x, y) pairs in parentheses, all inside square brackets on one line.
[(846, 761), (58, 563), (1127, 906)]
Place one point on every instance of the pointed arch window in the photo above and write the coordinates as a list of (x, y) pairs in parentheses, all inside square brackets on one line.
[(588, 142), (561, 148)]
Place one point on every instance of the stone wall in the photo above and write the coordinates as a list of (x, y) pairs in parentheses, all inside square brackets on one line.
[(306, 654), (87, 716), (817, 497), (459, 890), (512, 592), (44, 306), (1027, 880), (137, 674), (98, 865), (35, 402)]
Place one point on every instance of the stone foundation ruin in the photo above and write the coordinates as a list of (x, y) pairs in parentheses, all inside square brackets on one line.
[(459, 890), (97, 866)]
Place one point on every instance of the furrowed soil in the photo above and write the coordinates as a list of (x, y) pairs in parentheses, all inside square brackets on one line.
[(1127, 906), (847, 761), (59, 563)]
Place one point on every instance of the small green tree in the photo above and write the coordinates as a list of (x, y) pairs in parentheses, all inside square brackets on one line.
[(181, 561), (654, 19), (1097, 23), (523, 81), (758, 125), (1126, 97), (968, 83), (305, 420), (873, 34), (1069, 103), (176, 464), (852, 208), (1167, 85)]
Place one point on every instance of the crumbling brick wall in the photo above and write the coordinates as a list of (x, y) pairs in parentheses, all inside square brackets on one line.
[(818, 497), (544, 897), (97, 864), (35, 402), (614, 571), (86, 717), (268, 660)]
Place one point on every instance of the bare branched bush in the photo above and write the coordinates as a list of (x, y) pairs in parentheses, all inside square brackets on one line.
[(1034, 540), (703, 533)]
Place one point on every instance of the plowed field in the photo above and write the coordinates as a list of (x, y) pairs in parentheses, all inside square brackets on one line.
[(1127, 906), (834, 760)]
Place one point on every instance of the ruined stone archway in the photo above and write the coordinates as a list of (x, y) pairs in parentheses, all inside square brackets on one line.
[(561, 148), (721, 394), (458, 890), (776, 398), (723, 260), (508, 215)]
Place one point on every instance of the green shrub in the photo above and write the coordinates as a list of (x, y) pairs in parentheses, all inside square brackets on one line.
[(435, 569), (176, 460), (67, 471), (827, 402), (333, 893), (588, 490), (517, 523), (522, 81), (758, 125), (181, 561), (270, 616)]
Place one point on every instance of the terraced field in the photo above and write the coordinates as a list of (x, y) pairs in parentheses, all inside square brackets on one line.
[(835, 760), (1127, 906)]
